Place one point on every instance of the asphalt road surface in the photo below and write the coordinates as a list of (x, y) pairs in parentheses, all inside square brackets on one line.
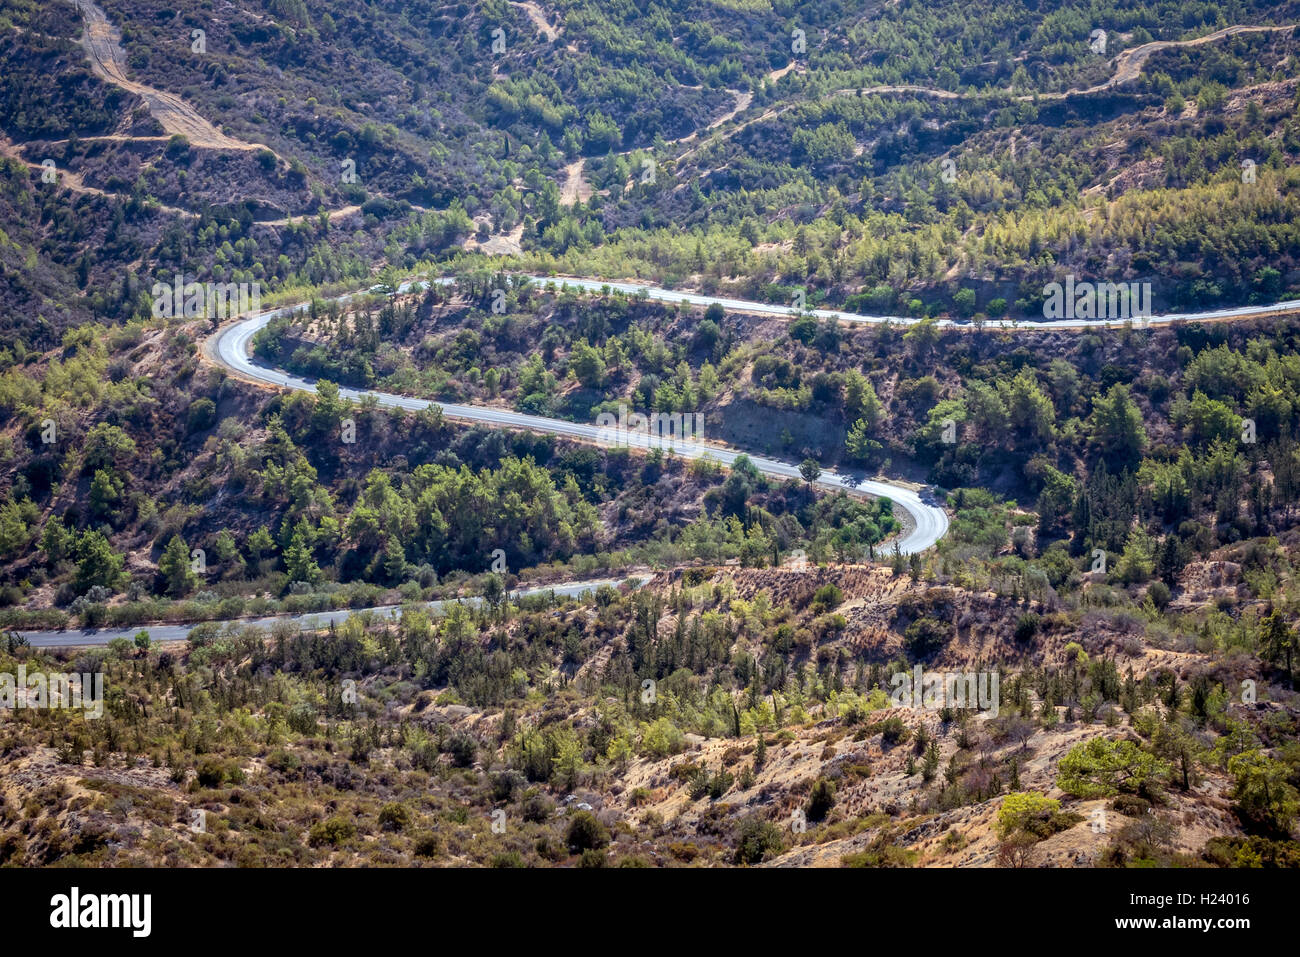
[(927, 523), (79, 637), (776, 309)]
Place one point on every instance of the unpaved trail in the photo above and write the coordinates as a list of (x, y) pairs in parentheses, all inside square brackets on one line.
[(1129, 64), (766, 115), (539, 19), (111, 138), (102, 43), (743, 100), (1128, 67), (303, 217), (901, 88), (576, 189), (73, 181), (67, 179), (775, 75), (742, 104)]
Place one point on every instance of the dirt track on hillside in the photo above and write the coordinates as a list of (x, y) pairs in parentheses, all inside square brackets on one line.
[(73, 181), (539, 19), (1129, 64), (1128, 67), (102, 43)]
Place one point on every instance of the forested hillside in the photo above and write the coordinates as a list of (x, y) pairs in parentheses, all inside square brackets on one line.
[(1111, 510), (871, 154)]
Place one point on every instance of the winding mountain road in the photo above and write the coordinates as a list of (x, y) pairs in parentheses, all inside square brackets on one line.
[(777, 309), (230, 346), (928, 523)]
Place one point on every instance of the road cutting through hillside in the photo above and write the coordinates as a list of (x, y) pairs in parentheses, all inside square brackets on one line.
[(927, 522)]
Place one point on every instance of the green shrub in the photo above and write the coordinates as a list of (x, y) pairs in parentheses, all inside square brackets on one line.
[(331, 832), (211, 773), (1027, 627), (394, 817), (821, 800), (756, 839), (586, 833), (825, 598), (428, 844)]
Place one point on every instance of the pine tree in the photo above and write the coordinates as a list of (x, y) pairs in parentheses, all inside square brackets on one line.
[(1277, 640), (174, 566), (931, 764), (298, 558)]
